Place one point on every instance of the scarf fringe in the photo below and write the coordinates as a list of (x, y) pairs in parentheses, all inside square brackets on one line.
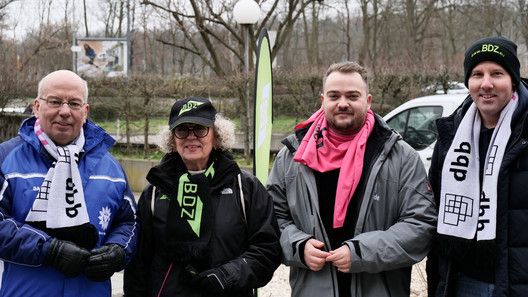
[(478, 253)]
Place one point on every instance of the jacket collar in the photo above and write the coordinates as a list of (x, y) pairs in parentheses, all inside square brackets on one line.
[(293, 141), (166, 174), (96, 137)]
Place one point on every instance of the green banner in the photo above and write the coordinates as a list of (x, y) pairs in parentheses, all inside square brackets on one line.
[(263, 108)]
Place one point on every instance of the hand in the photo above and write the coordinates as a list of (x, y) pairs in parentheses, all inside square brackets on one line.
[(104, 261), (341, 258), (211, 280), (314, 257), (66, 257)]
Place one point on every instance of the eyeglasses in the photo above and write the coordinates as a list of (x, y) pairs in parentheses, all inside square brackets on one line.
[(57, 103), (181, 132)]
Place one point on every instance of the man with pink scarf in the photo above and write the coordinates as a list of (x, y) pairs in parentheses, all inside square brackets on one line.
[(352, 199)]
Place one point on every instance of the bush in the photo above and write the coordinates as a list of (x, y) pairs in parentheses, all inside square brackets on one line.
[(100, 113)]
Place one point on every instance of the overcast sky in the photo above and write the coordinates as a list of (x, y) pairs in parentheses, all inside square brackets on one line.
[(26, 15)]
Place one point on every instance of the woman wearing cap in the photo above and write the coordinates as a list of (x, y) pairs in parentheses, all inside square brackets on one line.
[(479, 175), (208, 228)]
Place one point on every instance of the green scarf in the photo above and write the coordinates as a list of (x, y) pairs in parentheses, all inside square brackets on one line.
[(192, 210)]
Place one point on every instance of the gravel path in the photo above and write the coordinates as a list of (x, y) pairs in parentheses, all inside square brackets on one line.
[(279, 285)]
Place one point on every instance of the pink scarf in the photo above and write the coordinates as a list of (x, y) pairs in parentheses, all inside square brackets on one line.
[(324, 150)]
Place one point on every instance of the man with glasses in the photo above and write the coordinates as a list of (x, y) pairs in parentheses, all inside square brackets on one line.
[(67, 214)]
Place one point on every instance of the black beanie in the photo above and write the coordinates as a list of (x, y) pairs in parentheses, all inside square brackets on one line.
[(496, 49)]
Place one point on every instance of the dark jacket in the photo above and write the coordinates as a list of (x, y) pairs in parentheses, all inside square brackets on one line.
[(246, 250), (511, 243)]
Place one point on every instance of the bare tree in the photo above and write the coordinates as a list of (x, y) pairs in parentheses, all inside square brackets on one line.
[(149, 89), (310, 18), (5, 3), (113, 15), (3, 6), (522, 8), (346, 19), (206, 25), (418, 14), (85, 14), (374, 17)]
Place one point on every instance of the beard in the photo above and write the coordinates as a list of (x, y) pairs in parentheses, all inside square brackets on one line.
[(347, 126)]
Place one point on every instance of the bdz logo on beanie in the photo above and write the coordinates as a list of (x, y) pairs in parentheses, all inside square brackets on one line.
[(496, 49), (492, 48)]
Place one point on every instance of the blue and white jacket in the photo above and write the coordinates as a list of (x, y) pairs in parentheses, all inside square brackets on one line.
[(109, 200)]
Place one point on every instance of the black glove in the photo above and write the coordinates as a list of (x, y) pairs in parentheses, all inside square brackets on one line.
[(211, 280), (66, 257), (104, 261)]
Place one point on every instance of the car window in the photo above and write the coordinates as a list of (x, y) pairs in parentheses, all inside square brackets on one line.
[(417, 125)]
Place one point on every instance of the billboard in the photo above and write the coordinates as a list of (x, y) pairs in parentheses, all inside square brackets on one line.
[(101, 57)]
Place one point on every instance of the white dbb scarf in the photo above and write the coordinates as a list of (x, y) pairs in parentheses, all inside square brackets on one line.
[(60, 201), (465, 210)]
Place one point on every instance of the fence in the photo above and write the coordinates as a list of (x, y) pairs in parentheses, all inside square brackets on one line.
[(10, 123)]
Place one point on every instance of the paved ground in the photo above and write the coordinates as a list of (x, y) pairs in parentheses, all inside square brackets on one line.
[(279, 285), (117, 284)]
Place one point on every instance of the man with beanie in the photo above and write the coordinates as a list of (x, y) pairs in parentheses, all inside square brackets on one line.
[(479, 175), (352, 199)]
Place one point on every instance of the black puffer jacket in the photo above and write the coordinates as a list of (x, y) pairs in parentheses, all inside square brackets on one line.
[(246, 250), (511, 274)]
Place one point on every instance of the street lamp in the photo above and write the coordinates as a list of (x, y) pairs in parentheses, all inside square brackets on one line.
[(246, 13)]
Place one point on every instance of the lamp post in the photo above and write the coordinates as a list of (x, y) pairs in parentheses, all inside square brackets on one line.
[(246, 13)]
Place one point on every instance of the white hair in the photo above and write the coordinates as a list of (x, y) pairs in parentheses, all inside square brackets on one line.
[(224, 135)]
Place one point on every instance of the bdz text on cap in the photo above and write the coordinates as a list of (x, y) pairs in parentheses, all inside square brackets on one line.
[(192, 110)]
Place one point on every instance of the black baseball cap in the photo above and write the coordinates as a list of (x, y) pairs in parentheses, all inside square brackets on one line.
[(192, 110)]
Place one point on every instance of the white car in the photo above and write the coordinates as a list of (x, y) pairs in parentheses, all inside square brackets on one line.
[(453, 87), (415, 121)]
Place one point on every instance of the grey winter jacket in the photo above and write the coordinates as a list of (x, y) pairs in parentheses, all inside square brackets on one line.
[(394, 230)]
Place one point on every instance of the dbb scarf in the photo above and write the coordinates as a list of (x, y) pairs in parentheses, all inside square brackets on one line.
[(468, 210), (59, 208)]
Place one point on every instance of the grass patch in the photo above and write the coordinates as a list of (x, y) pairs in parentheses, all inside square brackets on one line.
[(281, 124), (120, 152), (136, 126)]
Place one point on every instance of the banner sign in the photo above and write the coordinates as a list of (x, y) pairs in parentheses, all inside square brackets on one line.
[(263, 108)]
